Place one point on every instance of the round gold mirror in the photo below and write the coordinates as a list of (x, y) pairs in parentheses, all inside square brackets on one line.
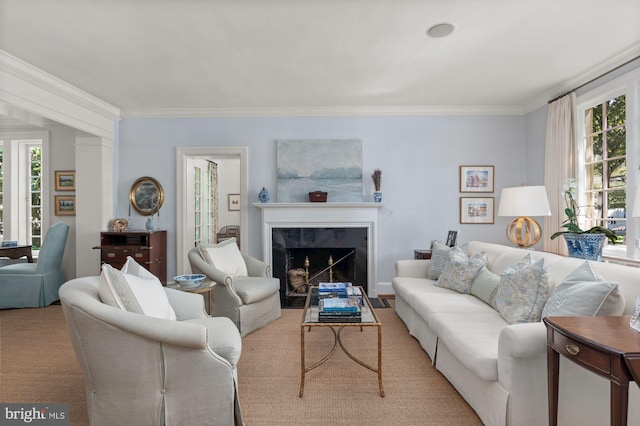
[(146, 196)]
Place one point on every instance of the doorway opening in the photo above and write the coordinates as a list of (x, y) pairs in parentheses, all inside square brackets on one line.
[(230, 186)]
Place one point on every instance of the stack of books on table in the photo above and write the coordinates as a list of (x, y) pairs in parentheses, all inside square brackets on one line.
[(333, 289), (342, 289), (339, 309)]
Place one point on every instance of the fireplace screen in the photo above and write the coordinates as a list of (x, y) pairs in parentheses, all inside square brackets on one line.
[(307, 256)]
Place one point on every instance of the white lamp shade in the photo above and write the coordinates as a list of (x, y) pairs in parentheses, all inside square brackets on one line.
[(524, 201)]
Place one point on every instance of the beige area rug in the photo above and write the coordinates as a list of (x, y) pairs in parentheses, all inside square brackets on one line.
[(37, 364), (341, 391)]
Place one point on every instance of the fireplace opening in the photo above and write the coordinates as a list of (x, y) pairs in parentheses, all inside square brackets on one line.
[(310, 266), (307, 256)]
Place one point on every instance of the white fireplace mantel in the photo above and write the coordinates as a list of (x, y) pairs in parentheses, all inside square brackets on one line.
[(323, 215)]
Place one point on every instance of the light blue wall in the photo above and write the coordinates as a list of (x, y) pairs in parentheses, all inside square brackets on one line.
[(536, 125), (419, 158)]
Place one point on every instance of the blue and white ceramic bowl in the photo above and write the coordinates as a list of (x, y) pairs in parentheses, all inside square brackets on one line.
[(190, 280)]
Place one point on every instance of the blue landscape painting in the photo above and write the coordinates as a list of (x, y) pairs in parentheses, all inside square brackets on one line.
[(331, 166)]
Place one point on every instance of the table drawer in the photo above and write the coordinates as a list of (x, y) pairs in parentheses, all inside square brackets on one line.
[(585, 355), (121, 254)]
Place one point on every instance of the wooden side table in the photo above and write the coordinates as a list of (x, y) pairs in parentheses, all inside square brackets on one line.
[(205, 288), (422, 254), (606, 346), (16, 252)]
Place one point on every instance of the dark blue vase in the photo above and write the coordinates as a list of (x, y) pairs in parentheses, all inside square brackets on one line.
[(264, 196)]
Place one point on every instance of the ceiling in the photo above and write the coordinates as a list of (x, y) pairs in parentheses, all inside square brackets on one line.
[(289, 56)]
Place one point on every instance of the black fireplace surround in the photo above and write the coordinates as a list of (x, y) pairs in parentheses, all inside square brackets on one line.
[(346, 246)]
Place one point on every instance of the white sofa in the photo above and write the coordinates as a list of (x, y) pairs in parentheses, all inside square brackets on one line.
[(501, 369)]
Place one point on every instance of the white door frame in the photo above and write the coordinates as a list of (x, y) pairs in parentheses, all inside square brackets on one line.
[(183, 244)]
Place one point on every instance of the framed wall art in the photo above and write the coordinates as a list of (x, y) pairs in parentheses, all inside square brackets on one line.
[(146, 196), (234, 202), (476, 210), (65, 205), (333, 166), (65, 180), (476, 178)]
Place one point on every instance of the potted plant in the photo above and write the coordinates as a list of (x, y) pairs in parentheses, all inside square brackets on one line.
[(584, 244)]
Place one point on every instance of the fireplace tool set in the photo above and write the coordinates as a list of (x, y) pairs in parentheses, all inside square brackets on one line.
[(299, 278)]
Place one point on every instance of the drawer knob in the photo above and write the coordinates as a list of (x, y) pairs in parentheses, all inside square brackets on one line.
[(572, 349)]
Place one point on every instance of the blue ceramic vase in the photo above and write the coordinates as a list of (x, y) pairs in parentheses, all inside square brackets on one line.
[(585, 246), (264, 196)]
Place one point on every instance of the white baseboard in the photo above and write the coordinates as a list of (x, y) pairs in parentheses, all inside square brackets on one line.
[(385, 288)]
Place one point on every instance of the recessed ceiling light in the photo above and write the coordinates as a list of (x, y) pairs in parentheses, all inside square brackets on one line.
[(440, 30)]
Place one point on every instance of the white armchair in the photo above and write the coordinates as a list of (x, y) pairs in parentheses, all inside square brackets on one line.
[(144, 370), (251, 302)]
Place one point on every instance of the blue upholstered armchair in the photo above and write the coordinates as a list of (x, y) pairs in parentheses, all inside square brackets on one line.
[(32, 285)]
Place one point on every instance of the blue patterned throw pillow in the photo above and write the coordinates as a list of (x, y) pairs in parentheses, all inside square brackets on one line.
[(460, 270), (523, 291)]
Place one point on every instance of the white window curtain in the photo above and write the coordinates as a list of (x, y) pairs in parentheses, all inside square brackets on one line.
[(559, 165), (213, 201)]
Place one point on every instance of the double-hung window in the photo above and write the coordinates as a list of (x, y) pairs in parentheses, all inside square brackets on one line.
[(23, 187), (608, 162)]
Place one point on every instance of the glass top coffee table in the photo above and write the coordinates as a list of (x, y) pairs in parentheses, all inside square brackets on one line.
[(310, 318)]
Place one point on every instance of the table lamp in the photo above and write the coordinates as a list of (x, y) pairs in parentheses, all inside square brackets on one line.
[(522, 202)]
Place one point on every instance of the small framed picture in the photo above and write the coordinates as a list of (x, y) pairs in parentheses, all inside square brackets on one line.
[(476, 178), (476, 210), (234, 202), (452, 236), (65, 205), (65, 180)]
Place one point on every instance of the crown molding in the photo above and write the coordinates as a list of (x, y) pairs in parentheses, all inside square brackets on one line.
[(321, 111), (594, 72), (34, 91)]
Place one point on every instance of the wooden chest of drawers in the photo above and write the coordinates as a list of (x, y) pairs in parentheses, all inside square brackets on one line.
[(149, 249)]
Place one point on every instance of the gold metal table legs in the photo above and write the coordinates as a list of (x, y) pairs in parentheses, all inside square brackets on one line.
[(338, 342)]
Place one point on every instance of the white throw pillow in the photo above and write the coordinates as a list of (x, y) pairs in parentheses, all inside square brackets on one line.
[(139, 292), (225, 256), (439, 257), (523, 291), (584, 293)]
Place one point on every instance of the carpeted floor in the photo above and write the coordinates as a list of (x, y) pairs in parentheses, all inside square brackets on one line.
[(37, 364)]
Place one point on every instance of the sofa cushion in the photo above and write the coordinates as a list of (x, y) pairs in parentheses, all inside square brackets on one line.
[(584, 293), (439, 257), (523, 290), (255, 289), (485, 287), (225, 256), (413, 289), (460, 270), (142, 293), (472, 337)]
